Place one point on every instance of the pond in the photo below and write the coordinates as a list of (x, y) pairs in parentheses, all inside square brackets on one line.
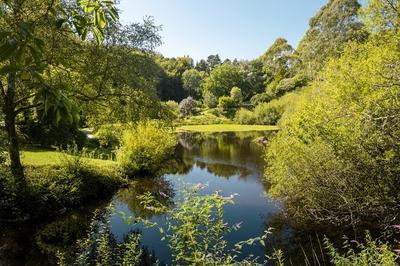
[(226, 162)]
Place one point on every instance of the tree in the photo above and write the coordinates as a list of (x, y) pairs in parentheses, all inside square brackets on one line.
[(253, 77), (192, 80), (187, 106), (222, 79), (202, 66), (236, 95), (277, 63), (381, 15), (331, 29), (176, 66), (213, 61), (116, 82), (24, 62)]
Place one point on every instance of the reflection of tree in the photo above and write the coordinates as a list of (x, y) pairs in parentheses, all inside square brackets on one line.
[(160, 188), (221, 151)]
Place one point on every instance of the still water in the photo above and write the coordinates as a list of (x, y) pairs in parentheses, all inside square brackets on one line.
[(226, 162)]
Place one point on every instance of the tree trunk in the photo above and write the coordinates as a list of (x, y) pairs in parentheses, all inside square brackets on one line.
[(13, 144)]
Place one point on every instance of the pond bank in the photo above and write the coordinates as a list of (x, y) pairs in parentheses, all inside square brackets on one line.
[(218, 128)]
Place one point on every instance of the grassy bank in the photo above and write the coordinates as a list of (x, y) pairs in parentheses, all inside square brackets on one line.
[(55, 183), (55, 158), (225, 128)]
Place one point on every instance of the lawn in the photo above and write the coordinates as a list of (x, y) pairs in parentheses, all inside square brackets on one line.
[(225, 128), (48, 157)]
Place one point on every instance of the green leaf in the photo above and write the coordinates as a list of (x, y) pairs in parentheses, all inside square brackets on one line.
[(113, 13), (98, 35), (7, 49), (8, 69)]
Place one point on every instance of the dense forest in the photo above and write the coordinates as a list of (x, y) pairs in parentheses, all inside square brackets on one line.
[(78, 85)]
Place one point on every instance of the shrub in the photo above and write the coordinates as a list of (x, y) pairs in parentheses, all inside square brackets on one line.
[(173, 107), (226, 103), (145, 147), (371, 253), (260, 98), (268, 113), (245, 117), (187, 106), (109, 135), (335, 160)]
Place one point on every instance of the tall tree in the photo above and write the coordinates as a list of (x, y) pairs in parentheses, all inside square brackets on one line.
[(331, 29), (277, 63), (213, 61)]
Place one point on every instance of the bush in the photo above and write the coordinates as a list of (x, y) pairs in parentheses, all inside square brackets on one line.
[(226, 103), (54, 189), (245, 117), (371, 253), (145, 147), (260, 98), (187, 106), (109, 135), (336, 158), (268, 113)]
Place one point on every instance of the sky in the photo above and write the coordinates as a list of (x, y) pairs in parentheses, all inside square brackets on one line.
[(242, 29)]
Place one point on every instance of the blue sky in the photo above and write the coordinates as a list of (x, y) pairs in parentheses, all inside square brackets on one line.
[(241, 29)]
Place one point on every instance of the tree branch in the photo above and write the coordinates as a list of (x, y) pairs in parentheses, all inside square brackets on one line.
[(20, 110), (17, 102)]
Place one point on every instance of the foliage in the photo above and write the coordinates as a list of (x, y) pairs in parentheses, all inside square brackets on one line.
[(268, 113), (187, 106), (335, 159), (260, 98), (287, 85), (209, 99), (245, 117), (144, 147), (371, 253), (52, 189), (226, 103), (47, 134), (237, 96), (196, 231), (380, 16), (330, 30), (109, 135), (222, 79), (101, 248), (192, 81), (210, 116), (277, 62), (26, 26), (171, 109)]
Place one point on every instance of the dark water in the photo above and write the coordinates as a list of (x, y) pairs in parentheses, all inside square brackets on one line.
[(226, 162)]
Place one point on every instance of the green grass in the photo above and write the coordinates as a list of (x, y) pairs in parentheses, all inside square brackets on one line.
[(225, 128), (47, 157)]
